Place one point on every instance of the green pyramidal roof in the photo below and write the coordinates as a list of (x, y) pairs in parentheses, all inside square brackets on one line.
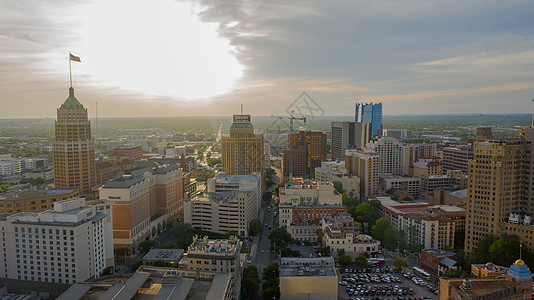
[(71, 101)]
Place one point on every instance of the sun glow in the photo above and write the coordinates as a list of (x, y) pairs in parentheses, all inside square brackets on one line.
[(157, 48)]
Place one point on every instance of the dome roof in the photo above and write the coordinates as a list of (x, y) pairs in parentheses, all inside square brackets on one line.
[(520, 262), (71, 101), (490, 266)]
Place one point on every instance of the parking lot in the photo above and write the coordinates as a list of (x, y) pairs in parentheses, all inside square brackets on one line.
[(381, 283)]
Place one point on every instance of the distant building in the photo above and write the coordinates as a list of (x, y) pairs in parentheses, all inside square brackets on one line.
[(242, 151), (421, 150), (85, 232), (399, 134), (426, 166), (370, 113), (27, 199), (365, 165), (131, 152), (350, 183), (393, 155), (74, 148), (306, 151), (171, 151), (310, 193), (348, 135), (411, 185), (457, 158), (308, 278)]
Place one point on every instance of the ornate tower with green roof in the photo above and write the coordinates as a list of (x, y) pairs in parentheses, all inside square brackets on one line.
[(74, 148)]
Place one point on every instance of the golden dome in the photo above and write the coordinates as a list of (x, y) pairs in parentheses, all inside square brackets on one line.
[(520, 262)]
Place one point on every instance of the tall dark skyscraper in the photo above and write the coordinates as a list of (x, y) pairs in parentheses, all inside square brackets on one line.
[(370, 113), (74, 148)]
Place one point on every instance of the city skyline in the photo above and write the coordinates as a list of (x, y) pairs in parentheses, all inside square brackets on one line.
[(415, 58)]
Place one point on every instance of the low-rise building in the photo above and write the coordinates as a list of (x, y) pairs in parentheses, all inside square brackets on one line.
[(426, 166), (163, 257), (129, 151), (516, 284), (308, 278), (407, 184), (432, 226), (340, 235), (350, 183), (306, 214), (436, 261), (219, 256), (24, 198), (308, 192)]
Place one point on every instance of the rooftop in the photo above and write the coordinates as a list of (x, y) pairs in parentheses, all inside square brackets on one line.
[(164, 254), (482, 286), (206, 247), (307, 266), (438, 252)]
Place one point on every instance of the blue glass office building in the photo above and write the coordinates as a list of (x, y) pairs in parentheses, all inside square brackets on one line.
[(370, 113)]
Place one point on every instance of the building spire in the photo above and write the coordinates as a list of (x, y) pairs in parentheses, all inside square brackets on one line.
[(242, 108)]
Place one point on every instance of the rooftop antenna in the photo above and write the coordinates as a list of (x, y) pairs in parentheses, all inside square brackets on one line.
[(520, 249)]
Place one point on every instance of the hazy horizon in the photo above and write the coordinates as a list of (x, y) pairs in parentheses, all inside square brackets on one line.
[(206, 58)]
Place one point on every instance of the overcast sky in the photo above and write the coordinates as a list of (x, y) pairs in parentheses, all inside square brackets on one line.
[(181, 58)]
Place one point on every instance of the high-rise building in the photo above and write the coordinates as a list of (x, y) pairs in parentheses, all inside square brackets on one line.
[(307, 149), (242, 151), (85, 233), (496, 188), (394, 155), (74, 148), (366, 165), (370, 113), (348, 135), (423, 150)]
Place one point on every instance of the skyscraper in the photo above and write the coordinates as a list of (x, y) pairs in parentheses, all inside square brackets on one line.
[(74, 148), (307, 149), (348, 135), (370, 113), (242, 151)]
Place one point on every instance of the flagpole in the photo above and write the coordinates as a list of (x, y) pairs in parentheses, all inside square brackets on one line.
[(70, 71)]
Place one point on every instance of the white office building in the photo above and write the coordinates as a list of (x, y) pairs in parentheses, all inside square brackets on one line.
[(69, 244)]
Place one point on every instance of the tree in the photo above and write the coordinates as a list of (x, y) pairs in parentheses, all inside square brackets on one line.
[(250, 282), (400, 262), (481, 254), (338, 186), (366, 213), (378, 231), (455, 273), (123, 252), (360, 261), (269, 182), (325, 251), (270, 272), (319, 233), (505, 250), (168, 245), (345, 260), (146, 245), (271, 292), (255, 227)]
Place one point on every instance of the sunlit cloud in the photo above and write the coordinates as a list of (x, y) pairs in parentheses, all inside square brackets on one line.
[(154, 48)]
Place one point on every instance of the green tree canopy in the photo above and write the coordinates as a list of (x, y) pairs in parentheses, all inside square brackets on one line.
[(146, 245), (255, 227), (400, 262), (250, 282), (271, 272), (360, 261), (345, 260), (455, 273)]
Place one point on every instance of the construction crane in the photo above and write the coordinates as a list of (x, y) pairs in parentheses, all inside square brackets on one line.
[(291, 117)]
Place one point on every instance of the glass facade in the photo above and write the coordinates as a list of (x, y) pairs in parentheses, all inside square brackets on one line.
[(370, 113)]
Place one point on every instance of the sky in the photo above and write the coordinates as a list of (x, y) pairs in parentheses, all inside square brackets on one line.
[(143, 58)]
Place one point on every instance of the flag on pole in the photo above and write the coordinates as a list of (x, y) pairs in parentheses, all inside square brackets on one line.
[(74, 58)]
